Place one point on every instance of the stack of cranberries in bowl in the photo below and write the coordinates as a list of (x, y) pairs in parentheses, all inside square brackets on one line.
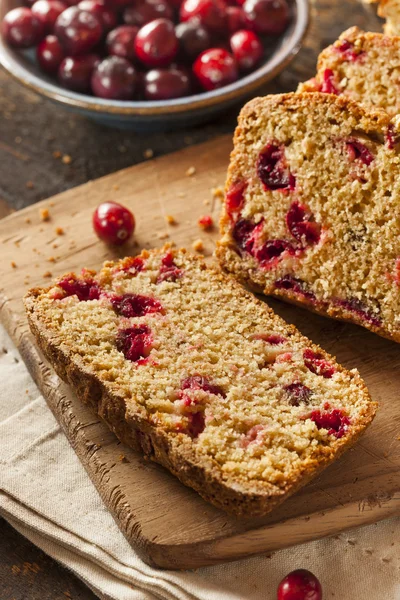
[(146, 49)]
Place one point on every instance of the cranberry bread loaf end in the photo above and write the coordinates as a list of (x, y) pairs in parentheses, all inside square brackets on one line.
[(311, 213), (233, 401), (362, 66)]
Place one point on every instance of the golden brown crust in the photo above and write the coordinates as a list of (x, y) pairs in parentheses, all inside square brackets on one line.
[(155, 443)]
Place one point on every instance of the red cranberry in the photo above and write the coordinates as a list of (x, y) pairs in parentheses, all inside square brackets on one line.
[(135, 343), (300, 585), (85, 289), (349, 52), (273, 170), (360, 309), (297, 393), (165, 84), (48, 11), (120, 41), (272, 250), (205, 222), (133, 265), (114, 78), (169, 271), (215, 68), (156, 44), (107, 16), (288, 282), (247, 49), (243, 234), (235, 19), (78, 30), (273, 339), (329, 83), (267, 17), (235, 197), (118, 4), (145, 11), (196, 424), (199, 382), (193, 39), (113, 223), (135, 305), (300, 225), (209, 13), (21, 28), (316, 363), (335, 421), (50, 54), (75, 72), (358, 151)]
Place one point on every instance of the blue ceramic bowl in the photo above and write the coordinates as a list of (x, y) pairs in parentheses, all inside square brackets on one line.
[(164, 114)]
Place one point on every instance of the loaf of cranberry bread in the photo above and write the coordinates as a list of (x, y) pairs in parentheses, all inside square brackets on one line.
[(364, 67), (312, 207), (185, 365)]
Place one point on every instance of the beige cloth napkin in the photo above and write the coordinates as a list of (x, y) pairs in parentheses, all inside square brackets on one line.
[(47, 496)]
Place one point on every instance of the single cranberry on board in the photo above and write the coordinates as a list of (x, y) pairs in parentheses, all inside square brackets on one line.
[(300, 585), (113, 223), (21, 28)]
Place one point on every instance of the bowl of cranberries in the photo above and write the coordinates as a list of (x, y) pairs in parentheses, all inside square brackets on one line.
[(149, 64)]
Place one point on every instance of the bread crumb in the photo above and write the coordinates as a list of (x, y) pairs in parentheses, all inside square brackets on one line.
[(170, 220), (66, 159), (162, 235), (27, 220), (56, 154), (44, 214), (13, 264), (115, 187), (51, 259), (181, 195), (205, 222), (52, 203), (198, 245), (30, 185), (47, 274), (206, 202), (218, 193), (55, 246), (191, 171), (59, 231), (149, 153), (17, 244), (18, 139)]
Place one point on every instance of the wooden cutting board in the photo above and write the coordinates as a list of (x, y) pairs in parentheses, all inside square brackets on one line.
[(170, 525)]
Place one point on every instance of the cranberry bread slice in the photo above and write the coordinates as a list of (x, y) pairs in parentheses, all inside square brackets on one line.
[(364, 67), (390, 10), (312, 207), (185, 365)]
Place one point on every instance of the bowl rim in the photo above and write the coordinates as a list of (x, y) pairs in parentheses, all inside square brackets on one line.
[(10, 61)]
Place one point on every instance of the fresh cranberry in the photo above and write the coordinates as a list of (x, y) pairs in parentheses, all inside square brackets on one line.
[(78, 30), (133, 265), (165, 84), (215, 68), (106, 16), (144, 11), (135, 305), (120, 42), (271, 250), (235, 197), (273, 170), (85, 289), (335, 421), (288, 282), (235, 19), (114, 78), (199, 382), (48, 11), (169, 271), (50, 54), (267, 17), (135, 343), (156, 44), (300, 585), (297, 393), (196, 424), (205, 222), (193, 39), (113, 223), (358, 151), (301, 227), (75, 72), (21, 28), (316, 363), (348, 51), (247, 49), (329, 83), (209, 13), (118, 4), (361, 310)]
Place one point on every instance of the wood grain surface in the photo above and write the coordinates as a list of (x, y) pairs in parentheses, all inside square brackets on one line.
[(171, 525)]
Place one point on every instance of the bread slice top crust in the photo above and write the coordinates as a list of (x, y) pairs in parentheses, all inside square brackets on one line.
[(227, 388), (312, 207), (364, 67)]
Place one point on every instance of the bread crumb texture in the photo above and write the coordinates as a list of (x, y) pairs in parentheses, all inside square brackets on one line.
[(311, 211), (233, 389)]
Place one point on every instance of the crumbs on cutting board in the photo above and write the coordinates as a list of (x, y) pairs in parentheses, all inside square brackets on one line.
[(44, 214)]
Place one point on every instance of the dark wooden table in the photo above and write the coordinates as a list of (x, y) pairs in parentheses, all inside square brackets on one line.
[(45, 150)]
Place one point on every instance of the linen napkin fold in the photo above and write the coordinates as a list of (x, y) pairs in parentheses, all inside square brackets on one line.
[(47, 496)]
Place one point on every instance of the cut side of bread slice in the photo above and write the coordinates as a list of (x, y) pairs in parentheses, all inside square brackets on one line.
[(186, 366), (312, 207), (364, 67)]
